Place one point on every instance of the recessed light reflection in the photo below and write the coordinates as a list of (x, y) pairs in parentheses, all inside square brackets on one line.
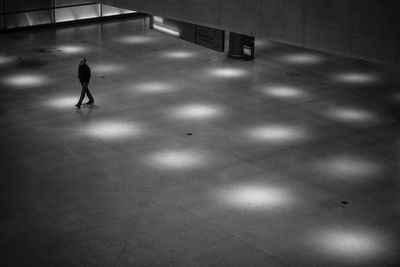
[(135, 39), (155, 87), (257, 197), (72, 49), (302, 58), (62, 102), (261, 43), (25, 80), (277, 134), (196, 111), (228, 72), (284, 91), (5, 60), (346, 245), (348, 166), (113, 130), (350, 115), (106, 68), (177, 159), (179, 54), (356, 78)]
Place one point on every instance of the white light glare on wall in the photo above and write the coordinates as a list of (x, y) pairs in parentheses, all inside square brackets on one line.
[(158, 19), (167, 30)]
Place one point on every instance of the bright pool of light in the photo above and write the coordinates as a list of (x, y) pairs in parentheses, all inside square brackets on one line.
[(277, 134), (135, 39), (179, 54), (284, 91), (228, 72), (348, 166), (25, 80), (350, 114), (155, 87), (256, 196), (113, 130), (72, 49), (106, 68), (64, 102), (5, 59), (302, 58), (177, 159), (356, 78), (350, 245), (196, 111)]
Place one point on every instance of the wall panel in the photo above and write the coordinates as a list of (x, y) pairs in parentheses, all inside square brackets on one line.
[(26, 19), (336, 26), (75, 13), (21, 5)]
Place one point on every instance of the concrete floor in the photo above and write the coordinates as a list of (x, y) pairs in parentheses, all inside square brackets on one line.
[(189, 158)]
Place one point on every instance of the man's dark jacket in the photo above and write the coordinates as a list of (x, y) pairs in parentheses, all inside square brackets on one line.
[(84, 73)]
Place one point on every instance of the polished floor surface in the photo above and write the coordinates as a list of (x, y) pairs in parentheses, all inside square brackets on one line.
[(189, 158)]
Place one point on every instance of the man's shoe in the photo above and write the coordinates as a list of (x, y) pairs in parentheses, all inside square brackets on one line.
[(78, 106), (90, 102)]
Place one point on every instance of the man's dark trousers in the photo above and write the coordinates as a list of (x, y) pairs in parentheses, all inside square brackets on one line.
[(85, 90)]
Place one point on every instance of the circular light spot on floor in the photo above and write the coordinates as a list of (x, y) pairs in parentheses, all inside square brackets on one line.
[(179, 54), (65, 102), (135, 39), (302, 58), (257, 197), (155, 87), (228, 72), (356, 78), (25, 80), (196, 111), (348, 166), (284, 91), (277, 134), (5, 60), (113, 130), (177, 159), (106, 68), (72, 49), (345, 114), (349, 245)]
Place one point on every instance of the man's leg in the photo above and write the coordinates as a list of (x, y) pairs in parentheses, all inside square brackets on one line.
[(91, 99), (81, 97)]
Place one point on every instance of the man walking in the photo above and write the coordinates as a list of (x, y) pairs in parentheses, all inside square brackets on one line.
[(84, 77)]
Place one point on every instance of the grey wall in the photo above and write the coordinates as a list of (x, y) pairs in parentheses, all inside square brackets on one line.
[(367, 29)]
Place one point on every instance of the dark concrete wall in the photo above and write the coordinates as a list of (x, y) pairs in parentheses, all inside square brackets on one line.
[(367, 29)]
